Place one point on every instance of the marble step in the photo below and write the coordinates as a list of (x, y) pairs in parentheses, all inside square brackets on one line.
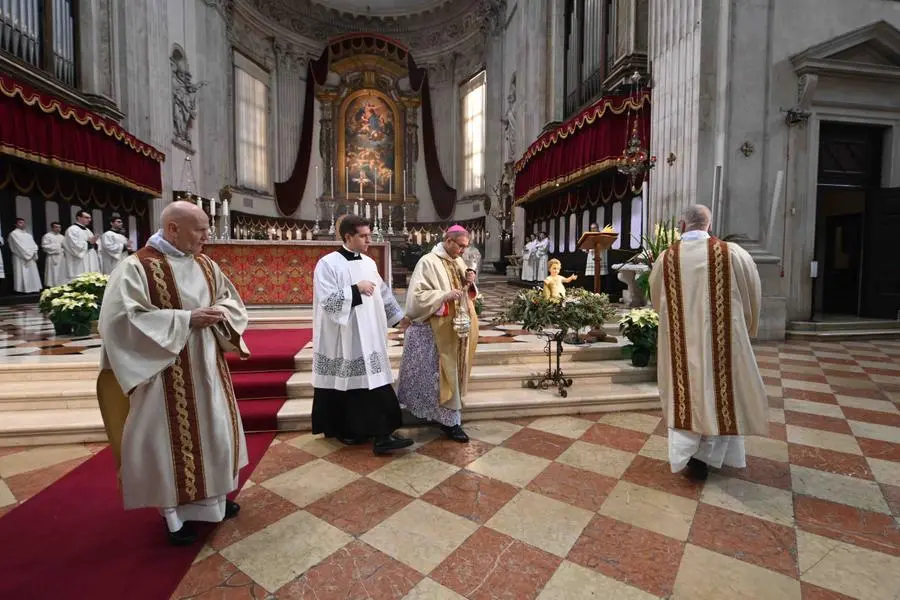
[(858, 335), (515, 376), (49, 395), (513, 353), (514, 403), (43, 427), (52, 369), (845, 325)]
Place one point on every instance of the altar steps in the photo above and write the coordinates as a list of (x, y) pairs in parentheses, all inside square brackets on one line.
[(846, 329)]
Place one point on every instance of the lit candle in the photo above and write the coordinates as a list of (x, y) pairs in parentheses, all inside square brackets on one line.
[(199, 201), (379, 211), (317, 181), (375, 187), (404, 187), (390, 186), (212, 207), (224, 208), (367, 210)]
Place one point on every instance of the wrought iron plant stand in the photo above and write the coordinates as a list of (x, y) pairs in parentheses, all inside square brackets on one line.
[(552, 377)]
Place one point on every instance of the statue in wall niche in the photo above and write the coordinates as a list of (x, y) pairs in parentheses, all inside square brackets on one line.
[(184, 96), (510, 121)]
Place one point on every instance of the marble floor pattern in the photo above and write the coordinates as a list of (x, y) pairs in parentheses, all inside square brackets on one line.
[(572, 507)]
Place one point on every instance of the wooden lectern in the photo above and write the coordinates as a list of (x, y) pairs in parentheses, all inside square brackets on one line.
[(598, 241)]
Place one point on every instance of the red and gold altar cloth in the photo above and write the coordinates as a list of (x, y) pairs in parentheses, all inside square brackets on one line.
[(280, 273)]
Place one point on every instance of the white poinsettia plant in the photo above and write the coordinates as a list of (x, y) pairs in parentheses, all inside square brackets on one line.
[(78, 301), (479, 303), (641, 327)]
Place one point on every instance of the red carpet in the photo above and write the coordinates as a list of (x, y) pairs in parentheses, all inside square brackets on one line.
[(74, 541), (260, 382)]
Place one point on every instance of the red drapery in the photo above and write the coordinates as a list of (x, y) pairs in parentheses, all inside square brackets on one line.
[(584, 145), (40, 128)]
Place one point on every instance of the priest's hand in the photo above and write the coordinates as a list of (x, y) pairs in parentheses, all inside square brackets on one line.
[(366, 288), (404, 324), (470, 276), (454, 295), (206, 317)]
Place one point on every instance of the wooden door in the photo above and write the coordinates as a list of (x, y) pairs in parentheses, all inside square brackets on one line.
[(843, 258), (881, 273)]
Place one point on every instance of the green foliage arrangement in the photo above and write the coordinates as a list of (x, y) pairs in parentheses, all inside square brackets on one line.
[(579, 309), (665, 234)]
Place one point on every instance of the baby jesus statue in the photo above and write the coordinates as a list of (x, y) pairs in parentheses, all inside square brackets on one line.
[(553, 284)]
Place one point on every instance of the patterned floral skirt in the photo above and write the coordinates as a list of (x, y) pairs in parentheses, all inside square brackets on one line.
[(419, 386)]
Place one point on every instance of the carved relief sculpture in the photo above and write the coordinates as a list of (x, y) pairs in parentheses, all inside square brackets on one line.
[(510, 121), (184, 96)]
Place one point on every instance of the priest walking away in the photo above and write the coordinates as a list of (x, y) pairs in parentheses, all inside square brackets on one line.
[(353, 396), (707, 293), (168, 315)]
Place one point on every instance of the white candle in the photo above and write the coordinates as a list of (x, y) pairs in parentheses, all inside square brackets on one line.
[(390, 186), (379, 211), (367, 210), (375, 187), (212, 207), (199, 202), (347, 183), (404, 187), (360, 183), (332, 181), (317, 181), (224, 208)]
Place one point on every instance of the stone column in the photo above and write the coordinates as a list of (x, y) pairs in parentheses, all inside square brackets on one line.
[(96, 51)]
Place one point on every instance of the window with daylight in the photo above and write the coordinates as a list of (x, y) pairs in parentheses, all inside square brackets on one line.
[(473, 102), (41, 33), (251, 115)]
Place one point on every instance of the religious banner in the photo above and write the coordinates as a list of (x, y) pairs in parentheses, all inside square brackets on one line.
[(370, 144)]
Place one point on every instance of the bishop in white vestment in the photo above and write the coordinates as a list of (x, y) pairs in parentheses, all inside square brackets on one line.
[(440, 344), (114, 246), (24, 250), (354, 399), (168, 315), (54, 266), (707, 293), (80, 247)]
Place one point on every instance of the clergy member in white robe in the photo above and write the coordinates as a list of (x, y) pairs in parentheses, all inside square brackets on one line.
[(541, 256), (24, 250), (114, 246), (353, 398), (528, 256), (439, 345), (80, 247), (707, 293), (54, 266), (168, 315)]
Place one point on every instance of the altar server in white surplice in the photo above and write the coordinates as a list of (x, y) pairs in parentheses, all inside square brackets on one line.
[(168, 315), (54, 266), (528, 267), (353, 398), (80, 247), (24, 250), (707, 294), (541, 256), (114, 246)]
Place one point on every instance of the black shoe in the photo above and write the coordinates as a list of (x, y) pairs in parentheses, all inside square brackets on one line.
[(696, 470), (455, 433), (389, 443), (184, 536), (231, 509), (352, 441)]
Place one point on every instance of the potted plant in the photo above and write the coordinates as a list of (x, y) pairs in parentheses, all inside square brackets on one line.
[(479, 304), (74, 308), (652, 247), (640, 326)]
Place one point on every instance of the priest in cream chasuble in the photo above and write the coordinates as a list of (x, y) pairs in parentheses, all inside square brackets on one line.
[(168, 315), (707, 293), (353, 398), (440, 344)]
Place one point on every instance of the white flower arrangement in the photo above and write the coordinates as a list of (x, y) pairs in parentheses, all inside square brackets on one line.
[(77, 301)]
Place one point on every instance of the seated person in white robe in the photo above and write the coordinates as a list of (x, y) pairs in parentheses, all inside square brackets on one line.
[(353, 398), (54, 266), (24, 250), (114, 246), (707, 293), (80, 247), (168, 315)]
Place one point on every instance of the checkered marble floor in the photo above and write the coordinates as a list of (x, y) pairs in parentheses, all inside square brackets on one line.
[(573, 507)]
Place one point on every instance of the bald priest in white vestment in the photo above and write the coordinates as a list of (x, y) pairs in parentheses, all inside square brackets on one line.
[(24, 250), (707, 293), (353, 398), (80, 247), (168, 315)]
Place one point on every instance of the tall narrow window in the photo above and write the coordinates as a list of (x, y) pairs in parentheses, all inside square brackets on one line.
[(251, 116), (41, 33), (473, 103)]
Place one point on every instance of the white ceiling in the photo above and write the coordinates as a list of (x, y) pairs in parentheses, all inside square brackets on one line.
[(382, 8)]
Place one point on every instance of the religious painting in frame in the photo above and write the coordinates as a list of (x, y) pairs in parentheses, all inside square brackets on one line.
[(370, 144)]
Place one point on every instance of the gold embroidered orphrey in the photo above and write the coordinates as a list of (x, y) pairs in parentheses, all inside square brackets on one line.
[(180, 399), (462, 358), (719, 262), (681, 386)]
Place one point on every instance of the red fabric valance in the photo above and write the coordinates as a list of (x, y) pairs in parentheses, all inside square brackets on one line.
[(40, 128), (586, 144)]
